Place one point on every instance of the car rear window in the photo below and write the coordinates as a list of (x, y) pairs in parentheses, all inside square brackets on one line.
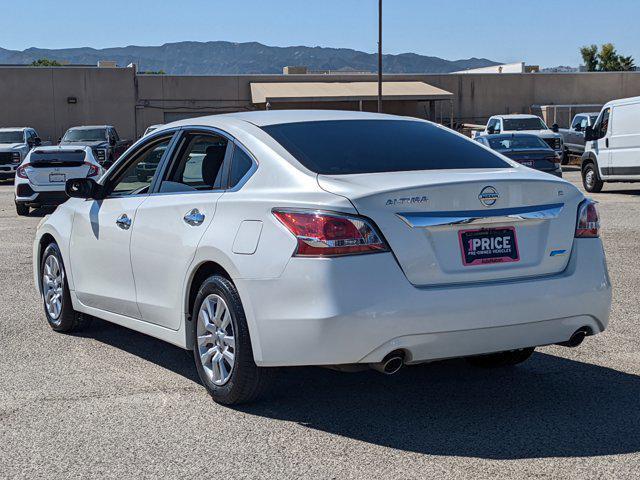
[(61, 157), (341, 147)]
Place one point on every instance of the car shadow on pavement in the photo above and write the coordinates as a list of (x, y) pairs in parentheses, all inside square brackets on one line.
[(161, 353), (547, 407)]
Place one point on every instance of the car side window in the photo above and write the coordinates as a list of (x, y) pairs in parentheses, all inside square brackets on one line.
[(137, 176), (577, 121), (602, 124), (241, 164), (199, 164)]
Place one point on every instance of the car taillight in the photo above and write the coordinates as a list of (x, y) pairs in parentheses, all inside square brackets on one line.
[(330, 234), (588, 225), (21, 171), (93, 169)]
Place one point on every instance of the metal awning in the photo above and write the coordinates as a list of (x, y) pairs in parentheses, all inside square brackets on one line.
[(344, 91)]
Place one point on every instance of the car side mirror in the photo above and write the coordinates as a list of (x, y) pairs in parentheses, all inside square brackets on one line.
[(578, 128), (590, 134), (112, 141), (83, 188), (36, 141), (555, 128), (491, 130)]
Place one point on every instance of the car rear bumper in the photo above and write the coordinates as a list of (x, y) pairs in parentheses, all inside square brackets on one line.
[(359, 309), (50, 195)]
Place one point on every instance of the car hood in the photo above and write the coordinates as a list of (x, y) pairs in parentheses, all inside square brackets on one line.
[(539, 133), (10, 146), (86, 144)]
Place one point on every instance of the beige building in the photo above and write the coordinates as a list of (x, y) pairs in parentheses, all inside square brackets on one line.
[(52, 99)]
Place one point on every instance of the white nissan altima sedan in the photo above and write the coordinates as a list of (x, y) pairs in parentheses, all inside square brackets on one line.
[(280, 238)]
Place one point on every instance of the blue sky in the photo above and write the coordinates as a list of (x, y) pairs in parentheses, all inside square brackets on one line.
[(545, 32)]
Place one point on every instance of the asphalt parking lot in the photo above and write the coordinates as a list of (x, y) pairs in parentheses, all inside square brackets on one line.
[(114, 403)]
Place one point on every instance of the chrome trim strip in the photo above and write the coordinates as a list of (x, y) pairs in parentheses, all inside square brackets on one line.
[(498, 215)]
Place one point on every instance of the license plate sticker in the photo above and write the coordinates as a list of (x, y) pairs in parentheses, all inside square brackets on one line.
[(57, 177), (488, 245)]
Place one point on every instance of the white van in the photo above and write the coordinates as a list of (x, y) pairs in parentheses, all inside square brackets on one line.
[(612, 148)]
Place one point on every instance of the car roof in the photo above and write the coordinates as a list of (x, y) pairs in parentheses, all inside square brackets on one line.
[(622, 101), (509, 135), (262, 118), (517, 115), (13, 129), (87, 127)]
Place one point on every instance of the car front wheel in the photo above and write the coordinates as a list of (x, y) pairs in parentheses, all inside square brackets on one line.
[(222, 346), (55, 293), (590, 179)]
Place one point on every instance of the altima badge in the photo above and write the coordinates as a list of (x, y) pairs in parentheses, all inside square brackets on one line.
[(488, 196)]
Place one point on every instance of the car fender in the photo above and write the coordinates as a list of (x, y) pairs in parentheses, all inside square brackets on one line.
[(208, 254), (58, 225), (590, 156)]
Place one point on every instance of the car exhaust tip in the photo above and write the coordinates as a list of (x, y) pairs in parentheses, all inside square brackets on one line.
[(577, 338), (390, 365)]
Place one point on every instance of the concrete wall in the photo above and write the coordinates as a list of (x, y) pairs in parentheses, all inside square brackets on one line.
[(38, 96)]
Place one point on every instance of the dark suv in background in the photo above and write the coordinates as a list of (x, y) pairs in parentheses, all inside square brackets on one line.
[(103, 140)]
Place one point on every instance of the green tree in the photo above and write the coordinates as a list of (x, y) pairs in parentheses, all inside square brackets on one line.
[(45, 62), (590, 57), (608, 58), (627, 63)]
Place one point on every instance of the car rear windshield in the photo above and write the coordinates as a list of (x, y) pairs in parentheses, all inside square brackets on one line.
[(59, 157), (515, 124), (341, 147), (85, 135), (517, 143), (11, 137)]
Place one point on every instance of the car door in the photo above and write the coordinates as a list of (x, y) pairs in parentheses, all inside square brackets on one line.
[(601, 145), (171, 222), (573, 141), (101, 235)]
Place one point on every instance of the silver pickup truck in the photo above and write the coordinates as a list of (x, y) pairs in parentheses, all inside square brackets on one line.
[(574, 136), (15, 143)]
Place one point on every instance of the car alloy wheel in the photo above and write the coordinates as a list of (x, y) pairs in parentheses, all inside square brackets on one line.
[(216, 340), (590, 177), (52, 287)]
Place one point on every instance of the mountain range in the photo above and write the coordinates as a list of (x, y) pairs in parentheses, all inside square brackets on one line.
[(219, 57)]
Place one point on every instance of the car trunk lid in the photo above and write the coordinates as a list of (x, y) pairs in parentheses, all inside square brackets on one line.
[(54, 166), (429, 217)]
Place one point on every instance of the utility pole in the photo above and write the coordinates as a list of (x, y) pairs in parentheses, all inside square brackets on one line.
[(379, 56)]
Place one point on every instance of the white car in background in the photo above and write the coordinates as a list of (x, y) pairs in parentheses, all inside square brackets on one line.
[(612, 145), (531, 124), (41, 177), (15, 143), (348, 239)]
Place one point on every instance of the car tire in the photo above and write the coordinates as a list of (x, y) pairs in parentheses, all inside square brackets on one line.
[(222, 345), (591, 179), (55, 293), (501, 359), (22, 209), (565, 157)]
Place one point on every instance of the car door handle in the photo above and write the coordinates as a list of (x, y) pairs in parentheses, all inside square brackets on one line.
[(124, 222), (606, 142), (194, 218)]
